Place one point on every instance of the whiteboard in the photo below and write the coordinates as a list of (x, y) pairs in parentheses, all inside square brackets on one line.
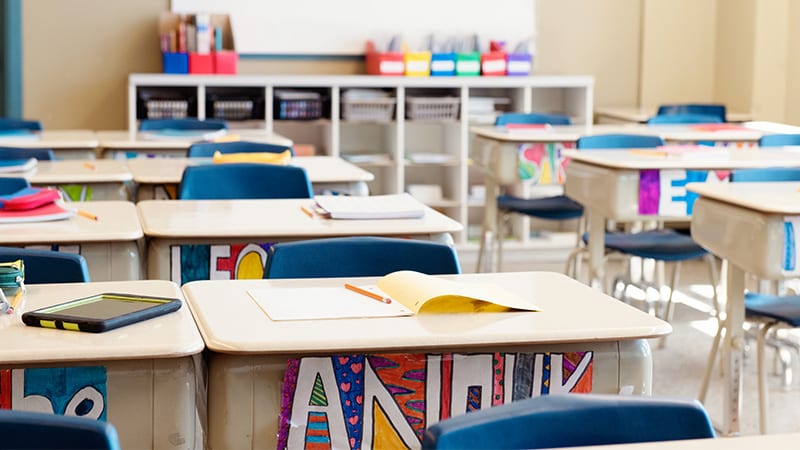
[(320, 27)]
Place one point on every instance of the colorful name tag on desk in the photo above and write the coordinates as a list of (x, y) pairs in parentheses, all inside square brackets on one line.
[(387, 401), (663, 192), (542, 163)]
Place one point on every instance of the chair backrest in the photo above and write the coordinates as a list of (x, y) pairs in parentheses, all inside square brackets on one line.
[(17, 124), (207, 149), (707, 109), (779, 140), (9, 185), (36, 430), (566, 420), (243, 181), (182, 124), (532, 119), (358, 256), (605, 141), (683, 118), (767, 174), (43, 266), (42, 154)]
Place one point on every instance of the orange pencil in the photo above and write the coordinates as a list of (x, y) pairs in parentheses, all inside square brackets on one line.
[(87, 214), (369, 294), (307, 211), (89, 165)]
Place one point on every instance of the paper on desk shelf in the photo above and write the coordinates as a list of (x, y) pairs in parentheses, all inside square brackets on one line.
[(323, 303)]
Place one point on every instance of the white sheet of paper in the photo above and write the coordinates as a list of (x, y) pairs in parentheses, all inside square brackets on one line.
[(323, 303)]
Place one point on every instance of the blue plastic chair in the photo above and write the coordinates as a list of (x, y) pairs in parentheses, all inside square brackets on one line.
[(768, 310), (661, 245), (207, 149), (182, 124), (779, 140), (243, 181), (358, 257), (42, 154), (9, 185), (557, 207), (34, 430), (532, 119), (17, 124), (706, 109), (669, 119), (43, 266), (571, 420)]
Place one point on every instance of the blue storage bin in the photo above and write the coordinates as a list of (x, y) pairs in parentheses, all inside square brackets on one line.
[(443, 64), (175, 62)]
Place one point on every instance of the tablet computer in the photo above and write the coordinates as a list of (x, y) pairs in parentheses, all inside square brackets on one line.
[(101, 312)]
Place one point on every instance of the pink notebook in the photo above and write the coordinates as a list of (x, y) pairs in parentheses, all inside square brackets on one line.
[(44, 213)]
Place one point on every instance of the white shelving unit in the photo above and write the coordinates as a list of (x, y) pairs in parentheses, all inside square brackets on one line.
[(405, 151)]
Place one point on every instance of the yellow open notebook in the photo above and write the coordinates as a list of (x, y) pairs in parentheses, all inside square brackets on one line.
[(282, 158), (410, 293)]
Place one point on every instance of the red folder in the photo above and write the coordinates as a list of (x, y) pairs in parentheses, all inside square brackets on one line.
[(28, 198)]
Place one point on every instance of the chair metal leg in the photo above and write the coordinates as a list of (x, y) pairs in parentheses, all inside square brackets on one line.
[(762, 377), (712, 359), (668, 308), (502, 219), (712, 275)]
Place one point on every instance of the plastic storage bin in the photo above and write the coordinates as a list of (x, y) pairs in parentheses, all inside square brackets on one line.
[(417, 64), (297, 105), (493, 64), (468, 64), (519, 64), (432, 108), (368, 110), (387, 63), (175, 62), (443, 64)]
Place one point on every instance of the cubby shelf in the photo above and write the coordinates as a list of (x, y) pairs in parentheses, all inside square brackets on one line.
[(398, 138)]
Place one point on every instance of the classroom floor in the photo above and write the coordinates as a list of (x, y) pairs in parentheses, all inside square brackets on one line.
[(680, 364)]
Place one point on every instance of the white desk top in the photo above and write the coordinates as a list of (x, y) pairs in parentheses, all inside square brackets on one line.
[(571, 312), (75, 171), (54, 139), (117, 221), (713, 158), (761, 441), (767, 197), (170, 335), (320, 169), (123, 140), (748, 131), (270, 218), (642, 113)]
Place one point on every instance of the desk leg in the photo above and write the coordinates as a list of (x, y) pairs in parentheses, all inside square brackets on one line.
[(733, 348), (488, 231), (596, 245)]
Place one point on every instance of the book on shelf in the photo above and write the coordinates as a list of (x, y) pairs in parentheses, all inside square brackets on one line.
[(392, 206), (398, 294), (17, 165)]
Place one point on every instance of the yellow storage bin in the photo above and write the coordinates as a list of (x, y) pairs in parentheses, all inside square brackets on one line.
[(418, 64)]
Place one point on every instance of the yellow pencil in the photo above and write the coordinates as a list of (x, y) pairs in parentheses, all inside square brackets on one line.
[(89, 165), (307, 211), (87, 214), (16, 299)]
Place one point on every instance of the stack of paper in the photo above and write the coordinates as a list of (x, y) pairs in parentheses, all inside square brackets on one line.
[(394, 206), (17, 165)]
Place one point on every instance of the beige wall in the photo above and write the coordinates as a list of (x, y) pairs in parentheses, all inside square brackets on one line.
[(77, 54), (677, 51)]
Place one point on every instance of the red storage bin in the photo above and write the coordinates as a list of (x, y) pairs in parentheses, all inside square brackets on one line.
[(493, 64), (225, 61), (386, 63), (201, 63)]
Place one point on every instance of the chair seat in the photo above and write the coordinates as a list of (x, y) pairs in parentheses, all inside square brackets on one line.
[(663, 245), (784, 308), (559, 207)]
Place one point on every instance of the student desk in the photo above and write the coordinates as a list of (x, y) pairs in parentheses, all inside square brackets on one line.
[(640, 114), (531, 159), (66, 144), (607, 184), (496, 355), (109, 244), (752, 226), (156, 177), (93, 180), (141, 378), (222, 239), (125, 144)]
